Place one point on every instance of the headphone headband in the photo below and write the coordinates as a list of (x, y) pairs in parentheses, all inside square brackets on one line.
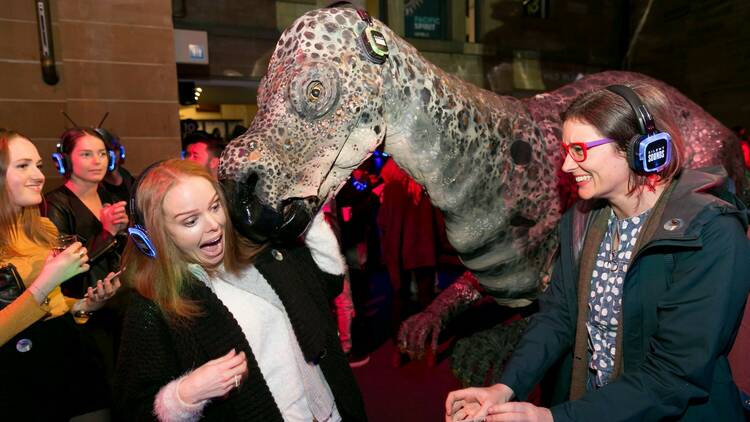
[(646, 124)]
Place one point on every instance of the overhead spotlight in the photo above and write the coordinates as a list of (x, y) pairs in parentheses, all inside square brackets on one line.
[(199, 89)]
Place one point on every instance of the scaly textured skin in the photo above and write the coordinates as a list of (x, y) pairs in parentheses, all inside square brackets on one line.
[(490, 163), (414, 331)]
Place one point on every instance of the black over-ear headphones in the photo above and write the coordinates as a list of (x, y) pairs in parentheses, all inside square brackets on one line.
[(650, 151), (64, 164), (137, 232), (115, 149), (61, 158)]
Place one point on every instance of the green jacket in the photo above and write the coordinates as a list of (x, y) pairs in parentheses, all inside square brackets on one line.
[(683, 300)]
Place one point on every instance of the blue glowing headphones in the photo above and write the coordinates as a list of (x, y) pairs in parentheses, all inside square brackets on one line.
[(137, 232), (115, 149), (62, 160), (650, 151)]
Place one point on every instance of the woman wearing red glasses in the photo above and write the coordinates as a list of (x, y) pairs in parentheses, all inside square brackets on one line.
[(648, 289)]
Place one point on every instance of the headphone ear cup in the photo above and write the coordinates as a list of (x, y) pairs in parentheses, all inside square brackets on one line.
[(111, 160), (59, 160), (632, 153)]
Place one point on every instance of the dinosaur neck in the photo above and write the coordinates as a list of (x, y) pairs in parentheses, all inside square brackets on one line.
[(482, 159), (454, 139)]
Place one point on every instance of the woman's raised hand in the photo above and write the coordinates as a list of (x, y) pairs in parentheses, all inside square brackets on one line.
[(114, 218), (214, 378)]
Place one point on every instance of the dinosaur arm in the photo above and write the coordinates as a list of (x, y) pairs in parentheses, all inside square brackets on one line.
[(414, 332)]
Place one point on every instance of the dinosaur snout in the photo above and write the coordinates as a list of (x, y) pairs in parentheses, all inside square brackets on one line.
[(261, 222)]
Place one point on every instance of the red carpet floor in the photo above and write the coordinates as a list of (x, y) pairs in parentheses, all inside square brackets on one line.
[(413, 392)]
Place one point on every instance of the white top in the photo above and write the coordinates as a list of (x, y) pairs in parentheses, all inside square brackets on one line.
[(265, 328), (298, 387)]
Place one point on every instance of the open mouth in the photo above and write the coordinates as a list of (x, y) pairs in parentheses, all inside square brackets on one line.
[(213, 247)]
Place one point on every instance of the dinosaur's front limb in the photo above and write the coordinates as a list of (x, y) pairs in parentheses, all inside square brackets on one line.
[(413, 334)]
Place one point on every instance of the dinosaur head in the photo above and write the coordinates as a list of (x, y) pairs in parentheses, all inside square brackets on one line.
[(320, 115)]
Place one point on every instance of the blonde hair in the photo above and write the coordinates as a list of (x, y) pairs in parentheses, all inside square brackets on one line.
[(11, 221), (163, 279)]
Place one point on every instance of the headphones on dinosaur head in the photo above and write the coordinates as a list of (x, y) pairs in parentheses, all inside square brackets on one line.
[(61, 158), (137, 231), (650, 151), (370, 40)]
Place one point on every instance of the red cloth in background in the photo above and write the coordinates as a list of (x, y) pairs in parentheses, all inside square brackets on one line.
[(409, 225)]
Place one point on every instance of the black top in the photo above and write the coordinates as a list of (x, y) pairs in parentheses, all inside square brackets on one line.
[(122, 191), (71, 216), (155, 351)]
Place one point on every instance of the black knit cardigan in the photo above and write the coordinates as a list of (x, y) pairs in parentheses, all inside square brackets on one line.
[(154, 351)]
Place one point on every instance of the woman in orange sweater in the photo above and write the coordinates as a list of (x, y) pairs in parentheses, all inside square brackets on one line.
[(40, 348)]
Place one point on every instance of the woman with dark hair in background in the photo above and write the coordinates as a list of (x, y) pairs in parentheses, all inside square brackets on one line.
[(83, 207), (48, 370), (233, 331), (649, 287)]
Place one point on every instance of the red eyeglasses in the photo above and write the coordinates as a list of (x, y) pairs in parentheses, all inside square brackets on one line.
[(577, 150)]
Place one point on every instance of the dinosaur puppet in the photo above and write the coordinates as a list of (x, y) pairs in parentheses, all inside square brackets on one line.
[(490, 163)]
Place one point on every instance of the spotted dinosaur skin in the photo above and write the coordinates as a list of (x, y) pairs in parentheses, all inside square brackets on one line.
[(490, 163)]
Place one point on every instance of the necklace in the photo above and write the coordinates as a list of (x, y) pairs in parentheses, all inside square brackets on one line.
[(614, 235)]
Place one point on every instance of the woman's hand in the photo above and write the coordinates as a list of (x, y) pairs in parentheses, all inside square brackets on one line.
[(475, 403), (58, 268), (518, 411), (113, 217), (214, 378), (96, 296)]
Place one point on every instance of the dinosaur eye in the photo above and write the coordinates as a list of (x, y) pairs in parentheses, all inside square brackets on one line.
[(315, 91)]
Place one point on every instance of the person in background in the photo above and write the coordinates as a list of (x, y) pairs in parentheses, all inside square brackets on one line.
[(204, 149), (118, 180), (237, 131), (49, 369), (232, 330), (410, 242), (83, 207), (343, 304), (649, 286)]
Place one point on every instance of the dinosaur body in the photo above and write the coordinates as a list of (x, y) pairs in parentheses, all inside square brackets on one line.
[(490, 163)]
